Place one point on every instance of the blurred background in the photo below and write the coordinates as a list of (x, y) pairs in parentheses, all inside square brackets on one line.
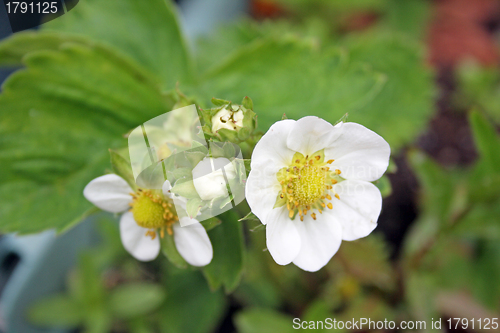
[(424, 74)]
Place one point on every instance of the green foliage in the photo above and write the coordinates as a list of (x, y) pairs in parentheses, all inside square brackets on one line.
[(263, 321), (190, 305), (479, 87), (135, 299), (154, 39), (368, 261), (452, 245), (57, 127), (227, 264), (13, 49), (330, 87), (401, 110), (170, 251), (91, 305), (395, 99), (56, 311)]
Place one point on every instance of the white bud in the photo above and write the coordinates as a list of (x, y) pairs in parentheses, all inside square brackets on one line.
[(226, 118), (208, 177)]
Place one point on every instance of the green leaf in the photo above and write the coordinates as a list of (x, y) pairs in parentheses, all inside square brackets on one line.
[(122, 168), (86, 285), (169, 249), (227, 264), (135, 299), (402, 108), (368, 260), (56, 311), (421, 290), (190, 305), (155, 40), (15, 47), (409, 16), (479, 87), (487, 141), (279, 74), (59, 118), (263, 321)]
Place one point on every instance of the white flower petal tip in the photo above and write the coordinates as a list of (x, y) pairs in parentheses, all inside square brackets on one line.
[(109, 192), (135, 241), (358, 208), (321, 239), (310, 184), (193, 244), (272, 147), (359, 153)]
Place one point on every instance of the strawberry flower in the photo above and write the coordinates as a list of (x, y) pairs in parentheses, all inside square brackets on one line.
[(310, 184), (147, 214)]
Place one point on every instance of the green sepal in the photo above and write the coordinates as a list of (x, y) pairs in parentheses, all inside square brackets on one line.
[(193, 207), (216, 149), (182, 100), (185, 188), (194, 157), (249, 217), (226, 201), (284, 117), (280, 201), (225, 134), (178, 173), (219, 102), (247, 103), (121, 167), (321, 154), (169, 249)]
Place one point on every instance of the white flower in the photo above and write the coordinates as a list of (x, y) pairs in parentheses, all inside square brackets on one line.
[(310, 185), (152, 212), (228, 119), (209, 180)]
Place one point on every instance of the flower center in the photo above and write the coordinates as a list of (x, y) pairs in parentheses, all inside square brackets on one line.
[(153, 211), (306, 185)]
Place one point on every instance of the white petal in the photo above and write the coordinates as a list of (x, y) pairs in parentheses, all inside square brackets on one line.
[(272, 147), (135, 241), (109, 192), (193, 244), (321, 239), (282, 237), (358, 208), (261, 190), (359, 153), (310, 134), (166, 189), (208, 179)]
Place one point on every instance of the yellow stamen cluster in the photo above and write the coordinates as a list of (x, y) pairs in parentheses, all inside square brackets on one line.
[(153, 211), (306, 184)]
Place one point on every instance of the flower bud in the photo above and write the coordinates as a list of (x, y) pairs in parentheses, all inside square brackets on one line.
[(228, 122), (209, 180)]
